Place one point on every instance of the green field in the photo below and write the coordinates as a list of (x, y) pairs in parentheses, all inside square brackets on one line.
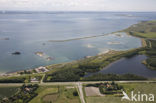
[(42, 91), (142, 87), (66, 96), (7, 91), (145, 35), (55, 94), (146, 29), (26, 78)]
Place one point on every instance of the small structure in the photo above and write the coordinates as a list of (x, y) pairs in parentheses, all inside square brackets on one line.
[(34, 80), (87, 56), (41, 69)]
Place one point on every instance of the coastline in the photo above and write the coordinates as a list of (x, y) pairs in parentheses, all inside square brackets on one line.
[(16, 72), (11, 73)]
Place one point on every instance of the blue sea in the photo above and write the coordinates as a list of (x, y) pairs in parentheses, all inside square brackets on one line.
[(29, 33)]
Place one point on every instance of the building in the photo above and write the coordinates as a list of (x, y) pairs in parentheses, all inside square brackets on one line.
[(41, 69)]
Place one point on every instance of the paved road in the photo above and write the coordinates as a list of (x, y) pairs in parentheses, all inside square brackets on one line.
[(77, 84), (81, 95), (73, 83), (42, 78)]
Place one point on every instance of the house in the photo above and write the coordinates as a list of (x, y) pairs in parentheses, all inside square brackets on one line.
[(41, 69), (34, 80)]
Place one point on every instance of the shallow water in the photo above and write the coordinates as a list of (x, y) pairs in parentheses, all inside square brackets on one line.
[(28, 32), (129, 65)]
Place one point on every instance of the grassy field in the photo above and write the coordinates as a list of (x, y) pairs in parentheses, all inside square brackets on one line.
[(66, 96), (145, 35), (42, 91), (7, 91), (25, 78), (142, 87), (143, 29), (55, 94)]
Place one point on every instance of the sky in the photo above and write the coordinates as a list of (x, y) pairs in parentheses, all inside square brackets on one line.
[(78, 5)]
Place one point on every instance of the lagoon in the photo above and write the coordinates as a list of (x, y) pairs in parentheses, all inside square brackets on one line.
[(131, 65)]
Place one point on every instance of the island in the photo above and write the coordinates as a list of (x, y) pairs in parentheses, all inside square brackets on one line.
[(41, 54), (4, 38), (44, 56), (16, 53)]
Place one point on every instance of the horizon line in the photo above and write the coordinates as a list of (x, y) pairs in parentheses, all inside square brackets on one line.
[(65, 11)]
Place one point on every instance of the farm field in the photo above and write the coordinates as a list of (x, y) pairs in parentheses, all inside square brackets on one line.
[(7, 91), (92, 91), (42, 91), (55, 94), (144, 88)]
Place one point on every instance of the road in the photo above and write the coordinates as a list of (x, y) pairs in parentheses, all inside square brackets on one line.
[(73, 83), (77, 84), (81, 95), (42, 78)]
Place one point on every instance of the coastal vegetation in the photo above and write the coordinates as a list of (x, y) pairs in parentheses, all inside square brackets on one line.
[(151, 53), (45, 83), (146, 30), (20, 79), (75, 71), (114, 77), (93, 64)]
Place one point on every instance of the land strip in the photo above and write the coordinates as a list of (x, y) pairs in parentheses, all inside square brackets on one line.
[(94, 36)]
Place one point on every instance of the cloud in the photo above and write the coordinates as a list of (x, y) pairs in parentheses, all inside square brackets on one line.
[(79, 5)]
